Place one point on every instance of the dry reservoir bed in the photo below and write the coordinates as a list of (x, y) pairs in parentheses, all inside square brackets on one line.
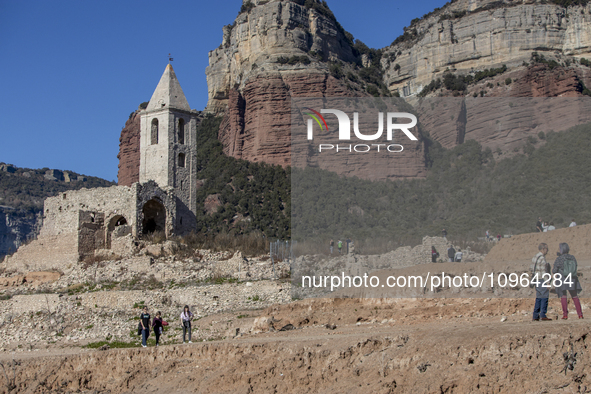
[(336, 345)]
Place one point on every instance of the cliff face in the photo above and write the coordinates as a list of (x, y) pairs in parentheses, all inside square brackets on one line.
[(473, 35), (275, 51), (15, 229), (504, 124), (257, 70), (254, 45), (129, 152)]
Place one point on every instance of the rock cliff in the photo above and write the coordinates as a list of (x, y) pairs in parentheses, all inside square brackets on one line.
[(15, 229), (129, 151), (275, 50), (472, 35), (282, 49)]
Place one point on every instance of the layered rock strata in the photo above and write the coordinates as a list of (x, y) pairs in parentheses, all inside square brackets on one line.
[(129, 152)]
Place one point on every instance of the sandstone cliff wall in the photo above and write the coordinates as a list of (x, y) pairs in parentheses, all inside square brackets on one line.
[(253, 89), (473, 35), (129, 152), (250, 82)]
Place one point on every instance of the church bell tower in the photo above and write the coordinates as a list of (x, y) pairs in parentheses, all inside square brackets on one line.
[(168, 132)]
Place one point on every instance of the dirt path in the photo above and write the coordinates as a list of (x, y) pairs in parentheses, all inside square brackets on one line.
[(398, 346)]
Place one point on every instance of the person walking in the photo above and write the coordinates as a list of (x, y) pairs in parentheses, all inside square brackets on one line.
[(566, 265), (498, 237), (539, 228), (331, 246), (572, 224), (145, 323), (540, 267), (340, 246), (434, 254), (186, 317), (487, 236), (157, 326), (458, 256), (451, 253), (444, 233), (348, 243)]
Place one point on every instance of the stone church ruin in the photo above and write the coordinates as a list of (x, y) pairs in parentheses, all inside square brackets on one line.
[(87, 222)]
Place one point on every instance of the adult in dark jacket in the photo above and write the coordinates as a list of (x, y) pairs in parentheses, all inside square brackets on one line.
[(157, 326), (451, 253), (573, 286)]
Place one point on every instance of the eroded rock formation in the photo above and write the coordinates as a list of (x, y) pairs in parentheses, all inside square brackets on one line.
[(129, 152), (257, 70), (471, 35)]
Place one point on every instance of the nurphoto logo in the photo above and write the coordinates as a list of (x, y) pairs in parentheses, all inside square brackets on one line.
[(344, 131)]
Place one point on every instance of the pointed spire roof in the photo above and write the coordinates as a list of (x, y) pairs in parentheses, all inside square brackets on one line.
[(168, 93)]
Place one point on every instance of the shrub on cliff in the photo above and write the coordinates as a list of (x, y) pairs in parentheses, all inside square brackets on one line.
[(246, 7), (26, 188), (568, 3), (466, 192), (253, 196)]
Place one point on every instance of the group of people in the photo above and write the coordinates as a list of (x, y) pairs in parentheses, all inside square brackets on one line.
[(348, 242), (564, 265), (157, 324), (452, 255), (489, 238), (544, 227)]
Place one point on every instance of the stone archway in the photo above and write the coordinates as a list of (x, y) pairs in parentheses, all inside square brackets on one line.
[(115, 223), (154, 217)]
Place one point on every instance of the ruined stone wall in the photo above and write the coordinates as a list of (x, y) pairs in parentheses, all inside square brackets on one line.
[(75, 225), (61, 213)]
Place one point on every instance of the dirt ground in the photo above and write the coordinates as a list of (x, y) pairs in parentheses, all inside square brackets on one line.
[(341, 345), (479, 344), (524, 246)]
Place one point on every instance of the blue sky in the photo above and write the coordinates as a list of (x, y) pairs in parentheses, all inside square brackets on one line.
[(72, 71)]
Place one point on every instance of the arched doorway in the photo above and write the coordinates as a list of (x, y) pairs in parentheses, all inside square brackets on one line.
[(154, 217), (115, 223)]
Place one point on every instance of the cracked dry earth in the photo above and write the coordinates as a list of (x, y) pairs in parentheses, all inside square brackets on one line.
[(341, 346)]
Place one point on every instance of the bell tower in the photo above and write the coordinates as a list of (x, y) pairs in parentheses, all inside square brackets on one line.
[(168, 132)]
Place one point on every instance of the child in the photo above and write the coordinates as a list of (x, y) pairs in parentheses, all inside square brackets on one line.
[(157, 326)]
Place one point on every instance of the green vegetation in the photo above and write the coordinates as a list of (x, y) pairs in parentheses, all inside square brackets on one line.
[(113, 344), (25, 189), (294, 60), (459, 83), (453, 15), (466, 192), (336, 70), (246, 7), (253, 196), (583, 89), (568, 3), (408, 35), (537, 58)]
